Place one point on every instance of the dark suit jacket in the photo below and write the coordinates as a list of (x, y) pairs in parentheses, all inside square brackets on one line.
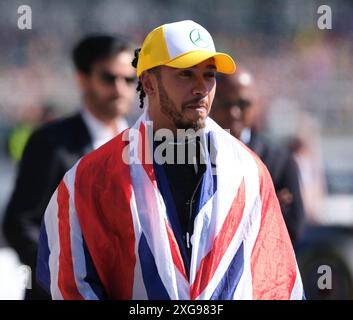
[(51, 151), (284, 172)]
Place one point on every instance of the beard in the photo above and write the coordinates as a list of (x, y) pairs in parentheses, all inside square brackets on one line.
[(169, 109)]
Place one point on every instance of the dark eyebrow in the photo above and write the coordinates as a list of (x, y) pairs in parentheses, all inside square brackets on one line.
[(211, 66)]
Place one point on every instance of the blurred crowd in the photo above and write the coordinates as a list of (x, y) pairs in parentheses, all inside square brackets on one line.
[(303, 79)]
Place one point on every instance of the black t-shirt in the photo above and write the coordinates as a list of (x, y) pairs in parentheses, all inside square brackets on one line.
[(184, 180)]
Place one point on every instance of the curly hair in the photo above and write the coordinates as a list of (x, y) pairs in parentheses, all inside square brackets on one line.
[(139, 88)]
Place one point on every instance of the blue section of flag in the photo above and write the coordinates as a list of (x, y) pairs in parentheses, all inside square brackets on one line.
[(209, 180), (173, 217), (42, 270), (91, 275), (229, 282), (154, 286)]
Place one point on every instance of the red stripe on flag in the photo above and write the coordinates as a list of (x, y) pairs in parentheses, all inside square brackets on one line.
[(66, 277), (176, 255), (273, 264), (103, 192), (210, 262), (144, 151)]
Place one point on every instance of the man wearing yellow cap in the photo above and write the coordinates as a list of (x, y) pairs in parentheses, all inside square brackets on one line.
[(174, 207)]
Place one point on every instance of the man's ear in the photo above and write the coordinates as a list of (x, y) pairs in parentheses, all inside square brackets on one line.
[(149, 83), (82, 80)]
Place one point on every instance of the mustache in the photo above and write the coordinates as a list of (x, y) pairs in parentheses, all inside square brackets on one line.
[(195, 101)]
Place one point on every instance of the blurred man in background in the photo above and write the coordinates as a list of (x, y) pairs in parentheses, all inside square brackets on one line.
[(107, 83), (235, 109)]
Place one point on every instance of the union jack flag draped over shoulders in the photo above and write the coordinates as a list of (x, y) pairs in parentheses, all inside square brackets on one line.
[(109, 231)]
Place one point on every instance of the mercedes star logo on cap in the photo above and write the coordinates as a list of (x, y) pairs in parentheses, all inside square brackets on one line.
[(197, 39)]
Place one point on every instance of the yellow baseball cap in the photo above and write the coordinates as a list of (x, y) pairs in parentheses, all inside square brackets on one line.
[(181, 44)]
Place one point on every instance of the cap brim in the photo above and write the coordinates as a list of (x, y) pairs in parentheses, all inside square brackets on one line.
[(224, 63)]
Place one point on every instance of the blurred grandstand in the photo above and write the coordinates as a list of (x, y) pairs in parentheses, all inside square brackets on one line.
[(305, 75)]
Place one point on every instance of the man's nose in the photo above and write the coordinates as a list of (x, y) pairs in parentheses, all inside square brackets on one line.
[(201, 88), (119, 84), (235, 112)]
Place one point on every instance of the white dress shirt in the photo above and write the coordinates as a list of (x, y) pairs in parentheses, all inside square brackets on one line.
[(99, 131), (245, 135)]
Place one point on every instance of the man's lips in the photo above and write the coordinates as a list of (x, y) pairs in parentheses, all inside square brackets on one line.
[(196, 106)]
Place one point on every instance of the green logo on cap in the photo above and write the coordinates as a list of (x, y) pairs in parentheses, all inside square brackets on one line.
[(197, 39)]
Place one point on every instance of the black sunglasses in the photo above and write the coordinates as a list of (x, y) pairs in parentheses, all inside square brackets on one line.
[(109, 78)]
